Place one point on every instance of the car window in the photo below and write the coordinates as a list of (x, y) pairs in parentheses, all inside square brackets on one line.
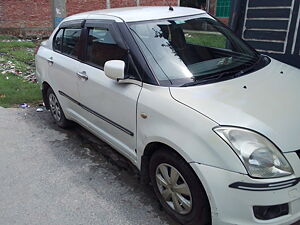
[(70, 44), (101, 47), (189, 49), (58, 40), (203, 33)]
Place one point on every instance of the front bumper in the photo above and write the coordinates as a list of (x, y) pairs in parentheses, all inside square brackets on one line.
[(235, 206)]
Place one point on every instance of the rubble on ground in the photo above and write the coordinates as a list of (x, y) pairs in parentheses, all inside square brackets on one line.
[(18, 40), (9, 67)]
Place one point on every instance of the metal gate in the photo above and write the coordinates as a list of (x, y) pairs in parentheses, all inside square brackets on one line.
[(270, 26)]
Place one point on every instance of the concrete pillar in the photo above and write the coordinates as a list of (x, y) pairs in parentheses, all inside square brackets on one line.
[(59, 11), (108, 4), (207, 5)]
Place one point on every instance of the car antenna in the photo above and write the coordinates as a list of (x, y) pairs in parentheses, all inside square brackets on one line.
[(170, 6)]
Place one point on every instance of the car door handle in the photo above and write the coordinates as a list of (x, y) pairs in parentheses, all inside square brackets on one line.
[(50, 61), (82, 75)]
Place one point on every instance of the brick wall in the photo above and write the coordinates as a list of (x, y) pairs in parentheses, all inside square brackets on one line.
[(224, 20), (122, 3), (77, 6), (158, 2), (36, 17), (25, 17)]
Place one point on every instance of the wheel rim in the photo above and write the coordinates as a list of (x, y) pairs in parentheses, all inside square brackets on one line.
[(54, 107), (173, 188)]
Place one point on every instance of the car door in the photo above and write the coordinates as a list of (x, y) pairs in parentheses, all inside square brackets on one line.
[(109, 105), (64, 64)]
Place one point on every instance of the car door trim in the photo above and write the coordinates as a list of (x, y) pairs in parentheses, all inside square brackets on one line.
[(97, 114), (73, 24)]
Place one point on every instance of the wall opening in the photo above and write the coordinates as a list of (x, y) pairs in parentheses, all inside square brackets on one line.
[(200, 4)]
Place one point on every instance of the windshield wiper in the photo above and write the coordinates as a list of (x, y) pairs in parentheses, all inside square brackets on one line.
[(211, 79), (250, 68), (219, 76)]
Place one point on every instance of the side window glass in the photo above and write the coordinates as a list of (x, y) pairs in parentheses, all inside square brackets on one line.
[(58, 40), (71, 41), (101, 47)]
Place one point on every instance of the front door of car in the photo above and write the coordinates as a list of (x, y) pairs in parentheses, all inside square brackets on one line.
[(108, 105)]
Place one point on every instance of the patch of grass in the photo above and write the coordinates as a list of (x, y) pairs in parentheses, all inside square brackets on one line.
[(21, 66), (23, 56), (5, 50), (208, 40), (17, 44), (7, 37), (15, 90)]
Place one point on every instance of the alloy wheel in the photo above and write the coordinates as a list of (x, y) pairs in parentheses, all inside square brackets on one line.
[(173, 188), (54, 107)]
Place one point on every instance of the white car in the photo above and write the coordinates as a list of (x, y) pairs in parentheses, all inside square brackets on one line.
[(210, 122)]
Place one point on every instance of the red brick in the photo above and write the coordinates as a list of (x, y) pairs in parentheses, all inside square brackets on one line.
[(25, 14), (77, 6), (158, 2), (35, 16), (122, 3)]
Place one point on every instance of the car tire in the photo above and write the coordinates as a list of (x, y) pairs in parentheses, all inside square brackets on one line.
[(178, 189), (56, 110)]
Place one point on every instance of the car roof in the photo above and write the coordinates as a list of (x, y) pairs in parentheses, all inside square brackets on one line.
[(135, 14)]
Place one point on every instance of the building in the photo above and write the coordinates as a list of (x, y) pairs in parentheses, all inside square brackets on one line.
[(39, 17), (217, 8)]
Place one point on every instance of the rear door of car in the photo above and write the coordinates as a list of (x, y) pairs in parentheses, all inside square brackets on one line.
[(109, 105), (64, 63)]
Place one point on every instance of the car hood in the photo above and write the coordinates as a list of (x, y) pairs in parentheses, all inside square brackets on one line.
[(267, 101)]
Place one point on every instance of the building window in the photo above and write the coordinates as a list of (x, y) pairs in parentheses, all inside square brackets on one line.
[(200, 4), (223, 8)]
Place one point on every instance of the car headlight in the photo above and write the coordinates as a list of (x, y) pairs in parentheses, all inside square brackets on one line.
[(260, 156)]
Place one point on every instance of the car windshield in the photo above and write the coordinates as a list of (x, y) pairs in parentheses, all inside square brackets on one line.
[(190, 49)]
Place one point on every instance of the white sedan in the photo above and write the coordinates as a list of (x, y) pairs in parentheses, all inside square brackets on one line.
[(211, 123)]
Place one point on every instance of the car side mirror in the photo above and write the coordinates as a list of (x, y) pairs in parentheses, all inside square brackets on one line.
[(115, 69)]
